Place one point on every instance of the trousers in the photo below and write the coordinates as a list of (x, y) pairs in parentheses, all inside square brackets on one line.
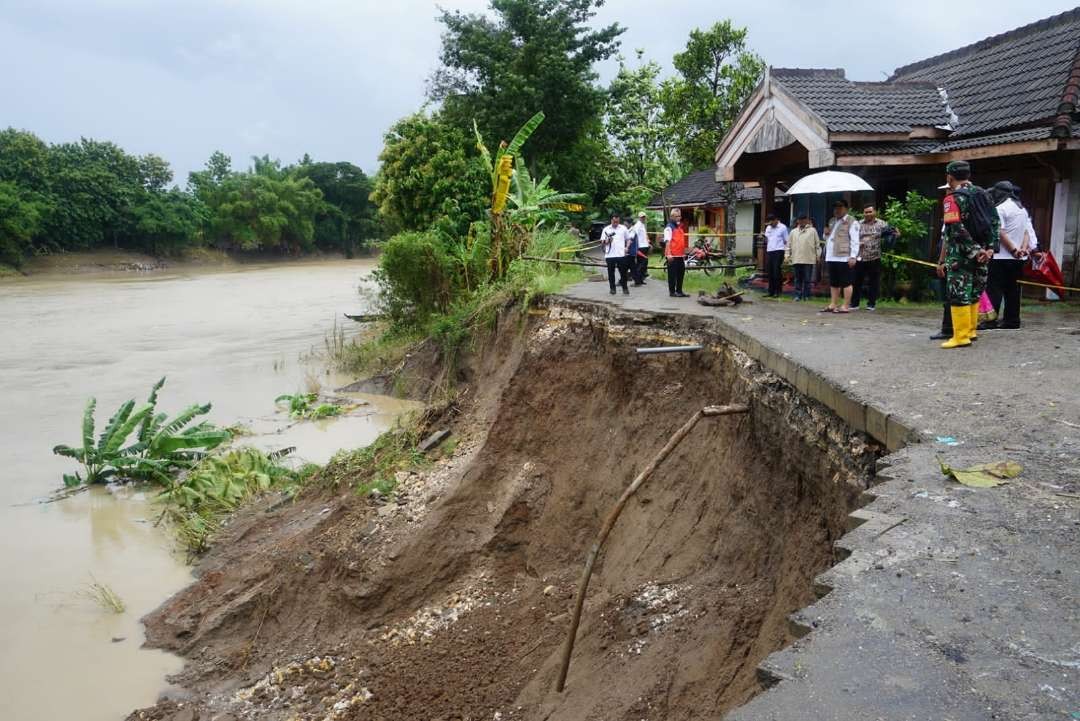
[(641, 265), (1003, 286), (776, 278), (869, 272), (804, 273), (622, 266), (676, 270)]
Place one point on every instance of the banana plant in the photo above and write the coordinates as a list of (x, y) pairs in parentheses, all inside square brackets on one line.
[(501, 167), (534, 203), (160, 449), (99, 459)]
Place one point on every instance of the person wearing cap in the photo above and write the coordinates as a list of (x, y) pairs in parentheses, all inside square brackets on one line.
[(804, 243), (1008, 263), (841, 251), (776, 244), (675, 254), (640, 236), (966, 257)]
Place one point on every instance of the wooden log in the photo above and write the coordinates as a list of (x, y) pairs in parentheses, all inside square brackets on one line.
[(613, 515)]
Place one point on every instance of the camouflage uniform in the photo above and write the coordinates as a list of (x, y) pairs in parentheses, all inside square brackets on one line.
[(965, 275)]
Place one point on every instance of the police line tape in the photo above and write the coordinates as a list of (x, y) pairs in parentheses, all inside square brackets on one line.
[(928, 264)]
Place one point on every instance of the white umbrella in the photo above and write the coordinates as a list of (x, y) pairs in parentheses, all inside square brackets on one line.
[(829, 181)]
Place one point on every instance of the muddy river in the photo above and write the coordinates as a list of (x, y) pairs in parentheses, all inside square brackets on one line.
[(236, 338)]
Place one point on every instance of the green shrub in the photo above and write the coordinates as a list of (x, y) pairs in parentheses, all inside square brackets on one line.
[(416, 276)]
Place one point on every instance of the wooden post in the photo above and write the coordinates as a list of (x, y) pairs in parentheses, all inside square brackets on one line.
[(613, 516), (768, 207)]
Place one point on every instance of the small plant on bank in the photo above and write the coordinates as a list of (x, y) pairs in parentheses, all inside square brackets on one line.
[(306, 406), (373, 468), (160, 448)]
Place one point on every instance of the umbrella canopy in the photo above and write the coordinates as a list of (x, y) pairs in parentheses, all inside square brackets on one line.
[(829, 181)]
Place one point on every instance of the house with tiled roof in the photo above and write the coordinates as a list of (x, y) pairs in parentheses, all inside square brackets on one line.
[(1008, 104), (707, 203)]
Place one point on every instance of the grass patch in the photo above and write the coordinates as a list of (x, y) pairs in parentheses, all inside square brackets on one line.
[(374, 467), (102, 595)]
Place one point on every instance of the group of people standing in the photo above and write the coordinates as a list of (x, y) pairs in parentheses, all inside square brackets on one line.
[(626, 252), (852, 256)]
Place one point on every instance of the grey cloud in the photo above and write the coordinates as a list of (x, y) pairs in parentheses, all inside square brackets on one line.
[(327, 77)]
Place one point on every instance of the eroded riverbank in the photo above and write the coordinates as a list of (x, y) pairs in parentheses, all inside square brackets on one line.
[(236, 337)]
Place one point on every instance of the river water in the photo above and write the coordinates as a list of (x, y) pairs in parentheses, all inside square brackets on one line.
[(237, 338)]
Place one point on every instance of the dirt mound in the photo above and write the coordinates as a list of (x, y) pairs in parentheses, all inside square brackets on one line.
[(451, 601)]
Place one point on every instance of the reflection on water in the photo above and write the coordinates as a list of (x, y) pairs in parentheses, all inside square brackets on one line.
[(237, 339)]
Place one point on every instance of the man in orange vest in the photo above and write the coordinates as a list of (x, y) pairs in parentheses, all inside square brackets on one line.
[(675, 253)]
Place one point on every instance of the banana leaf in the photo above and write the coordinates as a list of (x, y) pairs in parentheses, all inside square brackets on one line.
[(119, 435), (146, 431), (524, 133), (115, 423), (77, 453), (983, 475), (205, 439), (88, 424)]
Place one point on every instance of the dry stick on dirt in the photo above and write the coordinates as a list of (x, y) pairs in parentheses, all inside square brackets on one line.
[(613, 516)]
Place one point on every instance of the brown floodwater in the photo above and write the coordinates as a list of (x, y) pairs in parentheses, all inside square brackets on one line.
[(236, 338)]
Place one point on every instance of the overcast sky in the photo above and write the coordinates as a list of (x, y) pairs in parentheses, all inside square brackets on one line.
[(182, 78)]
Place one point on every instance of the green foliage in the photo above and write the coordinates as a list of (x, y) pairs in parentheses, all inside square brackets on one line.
[(160, 448), (526, 54), (21, 214), (429, 179), (641, 141), (533, 204), (90, 194), (373, 467), (198, 502), (910, 217), (307, 407), (715, 76), (347, 219), (417, 276)]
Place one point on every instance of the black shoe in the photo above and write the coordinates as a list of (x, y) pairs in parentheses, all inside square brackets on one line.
[(612, 291), (941, 335), (680, 294), (988, 325), (1008, 326), (637, 284), (625, 290)]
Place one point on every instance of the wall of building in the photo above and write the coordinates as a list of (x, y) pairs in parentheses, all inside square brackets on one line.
[(1070, 240)]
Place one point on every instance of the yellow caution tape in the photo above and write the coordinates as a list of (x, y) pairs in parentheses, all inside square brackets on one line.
[(1021, 282)]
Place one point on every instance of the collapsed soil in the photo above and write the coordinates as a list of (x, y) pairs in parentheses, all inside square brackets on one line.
[(450, 599)]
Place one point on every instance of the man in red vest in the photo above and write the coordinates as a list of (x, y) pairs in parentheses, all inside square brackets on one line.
[(675, 253)]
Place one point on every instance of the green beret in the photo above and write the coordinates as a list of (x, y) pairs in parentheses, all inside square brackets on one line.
[(961, 165)]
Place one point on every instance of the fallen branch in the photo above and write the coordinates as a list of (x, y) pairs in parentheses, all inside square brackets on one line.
[(613, 516)]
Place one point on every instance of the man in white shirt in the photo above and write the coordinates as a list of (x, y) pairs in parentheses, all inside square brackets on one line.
[(615, 240), (1008, 263), (776, 243), (640, 262), (841, 251)]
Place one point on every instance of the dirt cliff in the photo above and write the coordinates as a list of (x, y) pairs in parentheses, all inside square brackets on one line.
[(450, 600)]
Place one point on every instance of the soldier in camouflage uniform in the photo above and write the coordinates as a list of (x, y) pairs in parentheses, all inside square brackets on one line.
[(966, 259)]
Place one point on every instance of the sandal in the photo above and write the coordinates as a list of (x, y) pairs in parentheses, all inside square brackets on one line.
[(841, 310), (827, 309)]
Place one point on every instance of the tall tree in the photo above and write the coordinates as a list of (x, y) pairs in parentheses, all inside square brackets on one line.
[(716, 74), (641, 142), (532, 55), (430, 175), (348, 217)]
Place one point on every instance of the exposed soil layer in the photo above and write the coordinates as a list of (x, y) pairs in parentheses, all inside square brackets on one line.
[(450, 601)]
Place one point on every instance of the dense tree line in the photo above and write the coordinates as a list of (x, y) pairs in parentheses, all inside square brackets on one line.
[(93, 194)]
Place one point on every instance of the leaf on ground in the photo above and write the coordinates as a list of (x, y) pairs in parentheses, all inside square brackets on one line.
[(984, 475)]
